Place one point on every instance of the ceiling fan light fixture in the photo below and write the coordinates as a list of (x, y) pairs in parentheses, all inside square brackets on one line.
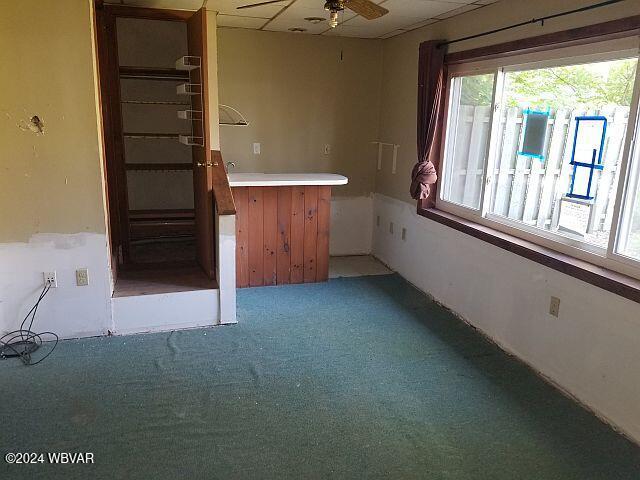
[(333, 19)]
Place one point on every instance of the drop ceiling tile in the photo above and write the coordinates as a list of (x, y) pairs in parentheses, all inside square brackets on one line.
[(384, 24), (240, 22), (313, 4), (348, 31), (392, 34), (283, 24), (295, 16), (171, 4), (418, 9), (456, 3), (228, 7), (424, 23), (457, 11)]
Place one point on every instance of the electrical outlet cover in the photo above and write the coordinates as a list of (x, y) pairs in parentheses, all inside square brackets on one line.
[(82, 277), (50, 279)]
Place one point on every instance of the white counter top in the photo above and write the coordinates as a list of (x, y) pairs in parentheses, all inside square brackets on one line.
[(285, 179)]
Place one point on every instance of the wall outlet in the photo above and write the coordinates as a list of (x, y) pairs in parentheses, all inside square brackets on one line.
[(554, 306), (82, 277), (50, 279), (256, 149), (327, 149), (391, 228), (404, 233)]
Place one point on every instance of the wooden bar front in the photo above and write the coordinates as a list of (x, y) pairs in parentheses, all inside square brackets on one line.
[(282, 234)]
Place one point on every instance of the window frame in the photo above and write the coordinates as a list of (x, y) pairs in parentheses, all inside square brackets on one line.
[(605, 50)]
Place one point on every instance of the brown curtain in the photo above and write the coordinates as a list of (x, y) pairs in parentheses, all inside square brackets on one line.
[(431, 84)]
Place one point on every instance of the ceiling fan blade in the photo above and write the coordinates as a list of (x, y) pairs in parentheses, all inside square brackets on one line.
[(259, 4), (366, 8)]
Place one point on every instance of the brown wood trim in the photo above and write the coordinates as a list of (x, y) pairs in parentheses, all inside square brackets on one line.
[(576, 36), (171, 74), (106, 137), (149, 13), (221, 189), (159, 166), (117, 175), (606, 279)]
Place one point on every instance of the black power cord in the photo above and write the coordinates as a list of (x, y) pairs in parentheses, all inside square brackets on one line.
[(23, 342)]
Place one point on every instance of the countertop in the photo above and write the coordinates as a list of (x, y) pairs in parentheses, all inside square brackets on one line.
[(285, 179)]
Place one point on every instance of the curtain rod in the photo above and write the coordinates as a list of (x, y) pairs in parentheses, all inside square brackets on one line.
[(529, 22)]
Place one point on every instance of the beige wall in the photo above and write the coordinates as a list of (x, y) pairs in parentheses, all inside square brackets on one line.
[(400, 66), (298, 96), (49, 183)]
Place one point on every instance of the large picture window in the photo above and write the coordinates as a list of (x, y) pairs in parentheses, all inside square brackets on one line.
[(543, 150)]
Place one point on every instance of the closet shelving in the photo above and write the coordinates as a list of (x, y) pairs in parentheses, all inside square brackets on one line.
[(159, 166), (192, 67), (161, 225), (190, 86), (149, 73)]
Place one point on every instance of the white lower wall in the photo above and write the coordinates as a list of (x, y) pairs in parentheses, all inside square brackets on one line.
[(592, 350), (351, 225), (166, 311), (226, 267), (69, 310)]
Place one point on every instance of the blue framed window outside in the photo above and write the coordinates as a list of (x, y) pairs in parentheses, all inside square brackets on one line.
[(534, 136), (586, 154)]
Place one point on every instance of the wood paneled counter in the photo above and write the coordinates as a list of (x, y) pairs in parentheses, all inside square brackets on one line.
[(282, 227)]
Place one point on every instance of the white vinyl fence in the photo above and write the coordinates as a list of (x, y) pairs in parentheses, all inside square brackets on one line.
[(529, 189)]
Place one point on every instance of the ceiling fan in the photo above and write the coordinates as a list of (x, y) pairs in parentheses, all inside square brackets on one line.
[(364, 8)]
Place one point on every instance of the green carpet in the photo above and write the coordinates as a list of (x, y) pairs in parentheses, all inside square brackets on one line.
[(356, 378)]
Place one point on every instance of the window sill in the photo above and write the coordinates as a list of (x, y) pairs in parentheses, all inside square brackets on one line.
[(606, 279)]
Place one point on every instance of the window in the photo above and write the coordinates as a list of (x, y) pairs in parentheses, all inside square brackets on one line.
[(629, 238), (542, 149), (471, 98)]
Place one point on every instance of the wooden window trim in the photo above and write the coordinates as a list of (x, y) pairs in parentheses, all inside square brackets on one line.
[(604, 278), (598, 32)]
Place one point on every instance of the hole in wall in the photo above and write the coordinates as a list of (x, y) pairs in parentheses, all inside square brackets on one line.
[(34, 124)]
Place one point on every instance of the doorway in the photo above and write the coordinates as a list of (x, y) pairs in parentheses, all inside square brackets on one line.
[(154, 99)]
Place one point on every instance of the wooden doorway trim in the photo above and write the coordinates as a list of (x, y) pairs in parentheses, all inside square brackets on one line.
[(115, 173), (202, 159), (109, 98)]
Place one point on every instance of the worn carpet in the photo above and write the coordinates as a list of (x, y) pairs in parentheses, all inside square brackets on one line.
[(355, 378)]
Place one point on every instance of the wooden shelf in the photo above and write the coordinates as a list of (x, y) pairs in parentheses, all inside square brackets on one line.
[(154, 102), (150, 135), (148, 73), (152, 214), (158, 166)]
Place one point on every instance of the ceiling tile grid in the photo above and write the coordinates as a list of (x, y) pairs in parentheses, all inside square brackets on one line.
[(291, 15)]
